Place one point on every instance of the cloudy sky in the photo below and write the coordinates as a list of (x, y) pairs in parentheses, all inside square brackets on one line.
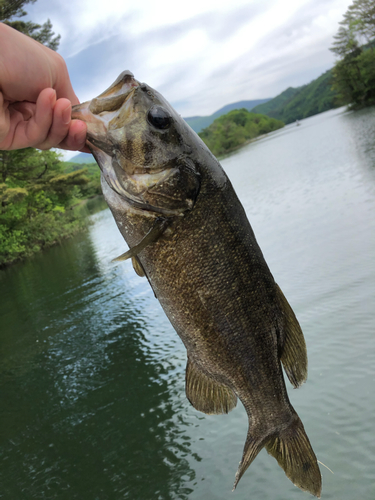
[(200, 54)]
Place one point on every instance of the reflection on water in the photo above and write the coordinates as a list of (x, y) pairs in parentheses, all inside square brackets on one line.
[(92, 374), (86, 391)]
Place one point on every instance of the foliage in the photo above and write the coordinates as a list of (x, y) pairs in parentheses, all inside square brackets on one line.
[(198, 123), (93, 187), (11, 9), (234, 129), (274, 106), (37, 199), (298, 103), (355, 79), (354, 74)]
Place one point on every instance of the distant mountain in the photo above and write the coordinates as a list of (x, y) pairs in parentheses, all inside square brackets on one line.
[(297, 103), (275, 106), (198, 123), (82, 158)]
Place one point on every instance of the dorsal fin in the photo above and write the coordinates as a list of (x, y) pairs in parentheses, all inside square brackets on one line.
[(205, 393), (294, 355)]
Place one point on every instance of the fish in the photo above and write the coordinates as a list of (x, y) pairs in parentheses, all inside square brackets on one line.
[(188, 234)]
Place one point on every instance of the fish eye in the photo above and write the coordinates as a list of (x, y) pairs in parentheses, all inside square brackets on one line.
[(159, 117)]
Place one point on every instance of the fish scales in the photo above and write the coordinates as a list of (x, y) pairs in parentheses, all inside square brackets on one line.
[(189, 234)]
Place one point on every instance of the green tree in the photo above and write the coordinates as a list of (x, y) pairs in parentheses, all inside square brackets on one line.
[(354, 79), (230, 131), (12, 10), (36, 201)]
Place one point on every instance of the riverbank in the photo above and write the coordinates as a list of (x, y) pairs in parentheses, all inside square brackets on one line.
[(53, 229)]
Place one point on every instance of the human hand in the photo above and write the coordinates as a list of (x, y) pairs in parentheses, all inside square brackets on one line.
[(36, 96)]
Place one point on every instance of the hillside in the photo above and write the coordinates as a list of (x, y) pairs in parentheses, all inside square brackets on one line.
[(297, 103), (198, 123), (274, 106)]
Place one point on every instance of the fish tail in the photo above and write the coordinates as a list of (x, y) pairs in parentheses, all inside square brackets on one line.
[(293, 452), (251, 450), (292, 449)]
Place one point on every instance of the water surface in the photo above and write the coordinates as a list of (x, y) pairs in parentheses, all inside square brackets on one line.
[(92, 402)]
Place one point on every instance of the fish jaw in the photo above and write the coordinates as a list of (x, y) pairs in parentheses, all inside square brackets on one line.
[(120, 121), (99, 112)]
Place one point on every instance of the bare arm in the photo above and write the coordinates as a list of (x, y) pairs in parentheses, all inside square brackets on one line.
[(36, 96)]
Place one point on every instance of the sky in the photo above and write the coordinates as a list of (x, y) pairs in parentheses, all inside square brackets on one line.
[(200, 54)]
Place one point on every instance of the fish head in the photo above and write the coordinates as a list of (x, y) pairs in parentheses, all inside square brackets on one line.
[(138, 141)]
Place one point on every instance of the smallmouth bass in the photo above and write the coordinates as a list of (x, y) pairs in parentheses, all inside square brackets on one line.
[(189, 235)]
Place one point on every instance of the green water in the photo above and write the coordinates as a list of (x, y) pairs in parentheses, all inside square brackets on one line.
[(92, 402)]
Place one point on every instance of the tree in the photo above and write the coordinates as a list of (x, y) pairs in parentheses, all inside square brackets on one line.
[(354, 78), (11, 9), (234, 129), (36, 201)]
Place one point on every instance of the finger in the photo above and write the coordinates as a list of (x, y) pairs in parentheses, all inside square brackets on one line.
[(33, 130), (76, 138), (60, 124)]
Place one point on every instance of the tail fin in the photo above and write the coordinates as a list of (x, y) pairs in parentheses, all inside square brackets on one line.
[(292, 449)]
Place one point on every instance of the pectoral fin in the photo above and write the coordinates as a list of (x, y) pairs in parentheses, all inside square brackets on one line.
[(153, 235), (205, 393), (138, 268), (294, 355)]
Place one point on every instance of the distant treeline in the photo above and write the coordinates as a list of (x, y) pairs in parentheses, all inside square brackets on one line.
[(230, 131), (301, 102)]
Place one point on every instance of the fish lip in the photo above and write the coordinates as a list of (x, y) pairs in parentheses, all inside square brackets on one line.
[(99, 104)]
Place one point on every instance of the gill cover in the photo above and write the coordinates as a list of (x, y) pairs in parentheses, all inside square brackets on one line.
[(136, 138)]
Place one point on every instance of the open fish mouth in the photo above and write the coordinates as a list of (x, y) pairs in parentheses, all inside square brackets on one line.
[(114, 97), (104, 107)]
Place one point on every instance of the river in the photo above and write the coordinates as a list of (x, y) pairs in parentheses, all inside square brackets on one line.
[(92, 403)]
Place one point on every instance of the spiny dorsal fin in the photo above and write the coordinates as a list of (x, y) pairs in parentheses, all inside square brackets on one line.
[(137, 266), (294, 355), (153, 235), (206, 394)]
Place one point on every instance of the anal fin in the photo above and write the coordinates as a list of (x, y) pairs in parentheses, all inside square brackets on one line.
[(206, 394), (294, 355)]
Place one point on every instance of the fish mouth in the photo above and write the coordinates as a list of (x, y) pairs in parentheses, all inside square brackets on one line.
[(103, 108)]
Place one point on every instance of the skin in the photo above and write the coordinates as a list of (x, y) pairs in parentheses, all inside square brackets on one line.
[(206, 269), (36, 96)]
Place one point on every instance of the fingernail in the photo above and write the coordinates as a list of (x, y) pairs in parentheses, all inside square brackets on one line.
[(53, 98), (65, 115)]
